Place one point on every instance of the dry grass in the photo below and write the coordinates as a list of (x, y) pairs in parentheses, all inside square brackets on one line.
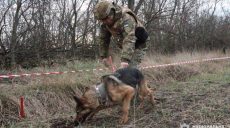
[(194, 93)]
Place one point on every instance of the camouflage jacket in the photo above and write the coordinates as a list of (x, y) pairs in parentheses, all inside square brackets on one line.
[(123, 33)]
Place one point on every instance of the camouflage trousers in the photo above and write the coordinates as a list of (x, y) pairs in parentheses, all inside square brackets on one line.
[(137, 56)]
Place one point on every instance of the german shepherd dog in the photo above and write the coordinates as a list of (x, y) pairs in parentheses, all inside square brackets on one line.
[(118, 88)]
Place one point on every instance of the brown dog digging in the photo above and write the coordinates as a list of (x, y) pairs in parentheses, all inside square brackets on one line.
[(115, 89)]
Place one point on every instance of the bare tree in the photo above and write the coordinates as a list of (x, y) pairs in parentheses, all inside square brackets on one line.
[(2, 25), (33, 32), (139, 4), (14, 32), (73, 27), (86, 28)]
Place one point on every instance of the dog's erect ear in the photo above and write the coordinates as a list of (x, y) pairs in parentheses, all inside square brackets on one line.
[(78, 100)]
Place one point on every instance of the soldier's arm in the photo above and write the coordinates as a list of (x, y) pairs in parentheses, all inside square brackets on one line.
[(104, 41), (128, 44)]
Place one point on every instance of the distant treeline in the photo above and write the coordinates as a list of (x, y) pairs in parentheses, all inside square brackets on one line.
[(40, 32)]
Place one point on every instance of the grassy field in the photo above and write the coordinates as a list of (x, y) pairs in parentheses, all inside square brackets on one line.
[(195, 94)]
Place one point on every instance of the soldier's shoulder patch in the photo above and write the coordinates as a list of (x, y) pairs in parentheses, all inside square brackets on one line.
[(128, 25)]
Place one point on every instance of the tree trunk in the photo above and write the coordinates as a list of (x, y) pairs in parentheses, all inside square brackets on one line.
[(138, 6), (14, 33)]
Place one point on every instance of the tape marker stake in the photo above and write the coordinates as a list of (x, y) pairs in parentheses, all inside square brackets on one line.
[(22, 110)]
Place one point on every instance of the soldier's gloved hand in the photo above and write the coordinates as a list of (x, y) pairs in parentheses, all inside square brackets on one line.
[(124, 64)]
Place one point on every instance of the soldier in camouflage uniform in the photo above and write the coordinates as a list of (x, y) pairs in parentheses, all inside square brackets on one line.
[(125, 28)]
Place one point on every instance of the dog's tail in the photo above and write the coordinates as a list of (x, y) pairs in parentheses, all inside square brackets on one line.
[(144, 86)]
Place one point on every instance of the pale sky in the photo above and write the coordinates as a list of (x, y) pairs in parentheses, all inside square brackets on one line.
[(222, 5)]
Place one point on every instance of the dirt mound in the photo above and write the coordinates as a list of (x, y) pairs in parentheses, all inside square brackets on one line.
[(42, 104), (62, 123), (179, 73)]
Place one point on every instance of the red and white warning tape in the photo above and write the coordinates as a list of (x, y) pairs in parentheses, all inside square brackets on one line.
[(49, 73), (106, 69), (185, 62)]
